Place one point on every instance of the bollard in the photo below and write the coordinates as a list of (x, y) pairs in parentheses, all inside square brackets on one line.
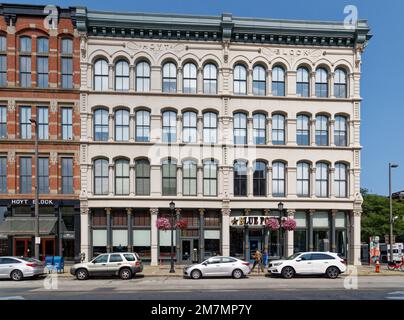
[(377, 267)]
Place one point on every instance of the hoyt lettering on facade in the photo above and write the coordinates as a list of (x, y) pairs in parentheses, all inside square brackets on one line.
[(31, 202)]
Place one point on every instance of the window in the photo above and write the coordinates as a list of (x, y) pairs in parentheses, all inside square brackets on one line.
[(259, 80), (25, 63), (101, 259), (42, 62), (321, 83), (169, 178), (189, 127), (43, 123), (169, 77), (115, 258), (189, 78), (210, 79), (3, 175), (101, 176), (43, 175), (260, 179), (340, 131), (259, 127), (322, 180), (240, 79), (122, 125), (101, 75), (322, 130), (240, 178), (189, 177), (67, 175), (303, 130), (101, 131), (142, 126), (278, 81), (210, 127), (3, 61), (122, 177), (302, 83), (67, 63), (3, 122), (240, 128), (169, 126), (321, 256), (67, 123), (340, 84), (25, 124), (303, 179), (25, 175), (25, 45), (278, 179), (341, 180), (142, 177), (122, 75), (143, 77), (278, 129), (209, 178)]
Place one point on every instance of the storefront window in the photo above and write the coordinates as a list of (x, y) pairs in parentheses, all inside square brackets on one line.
[(141, 219), (99, 242), (340, 242), (300, 241), (237, 242), (99, 218), (141, 243), (120, 218), (274, 244), (165, 243), (212, 219), (119, 240), (68, 217)]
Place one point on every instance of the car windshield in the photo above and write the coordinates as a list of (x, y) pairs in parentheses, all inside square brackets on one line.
[(293, 256)]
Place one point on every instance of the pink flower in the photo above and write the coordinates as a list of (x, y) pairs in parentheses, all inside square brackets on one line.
[(273, 224), (289, 224), (181, 224), (163, 224)]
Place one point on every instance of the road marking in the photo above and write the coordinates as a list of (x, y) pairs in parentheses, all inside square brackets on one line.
[(399, 295), (12, 298)]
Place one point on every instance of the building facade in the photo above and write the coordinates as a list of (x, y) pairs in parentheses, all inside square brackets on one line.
[(228, 117), (39, 81)]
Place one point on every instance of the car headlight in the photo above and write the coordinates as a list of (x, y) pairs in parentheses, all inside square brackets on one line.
[(276, 264)]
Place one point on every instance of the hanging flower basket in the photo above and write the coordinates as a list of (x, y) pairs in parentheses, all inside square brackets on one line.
[(273, 224), (163, 224), (289, 224), (181, 224)]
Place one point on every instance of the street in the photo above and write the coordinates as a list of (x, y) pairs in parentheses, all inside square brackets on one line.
[(166, 288)]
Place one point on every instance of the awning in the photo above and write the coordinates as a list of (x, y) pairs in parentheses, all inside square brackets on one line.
[(26, 225)]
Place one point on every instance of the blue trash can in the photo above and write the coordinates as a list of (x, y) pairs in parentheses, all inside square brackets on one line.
[(59, 263), (49, 262)]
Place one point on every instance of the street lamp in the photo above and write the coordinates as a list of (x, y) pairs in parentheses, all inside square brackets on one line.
[(280, 209), (391, 166), (172, 216), (37, 239)]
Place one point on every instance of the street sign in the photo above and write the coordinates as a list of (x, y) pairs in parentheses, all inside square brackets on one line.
[(37, 240)]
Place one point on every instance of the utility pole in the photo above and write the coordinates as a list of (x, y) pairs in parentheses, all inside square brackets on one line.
[(391, 165), (37, 238)]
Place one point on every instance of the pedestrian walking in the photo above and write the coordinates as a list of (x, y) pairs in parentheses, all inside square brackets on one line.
[(258, 261)]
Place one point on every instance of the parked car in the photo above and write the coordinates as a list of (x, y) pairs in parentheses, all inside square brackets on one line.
[(305, 263), (122, 264), (18, 268), (218, 266)]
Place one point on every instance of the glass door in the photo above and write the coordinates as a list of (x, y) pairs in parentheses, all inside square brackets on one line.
[(47, 248), (22, 247), (255, 244), (186, 250)]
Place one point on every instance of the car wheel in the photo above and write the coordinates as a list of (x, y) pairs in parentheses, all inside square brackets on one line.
[(16, 275), (288, 272), (82, 274), (237, 274), (332, 272), (196, 274), (125, 274)]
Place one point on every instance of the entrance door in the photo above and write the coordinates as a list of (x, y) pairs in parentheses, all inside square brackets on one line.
[(22, 247), (189, 251), (255, 244), (47, 248)]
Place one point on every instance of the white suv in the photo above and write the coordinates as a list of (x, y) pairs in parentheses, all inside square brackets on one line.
[(322, 263)]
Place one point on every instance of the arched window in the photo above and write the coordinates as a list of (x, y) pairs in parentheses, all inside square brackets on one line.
[(303, 82), (122, 177), (259, 80), (122, 75), (189, 127), (169, 126), (340, 84), (322, 130), (278, 129), (210, 79), (321, 83), (101, 75), (303, 130), (169, 169), (143, 77), (259, 126), (142, 126), (122, 125), (189, 178), (101, 132), (322, 180), (260, 179), (240, 128), (278, 179), (341, 180), (278, 81), (240, 178), (240, 79), (210, 127), (3, 61), (67, 63), (303, 179), (25, 61), (169, 77), (101, 176), (189, 74), (340, 131), (42, 62), (142, 169), (210, 178)]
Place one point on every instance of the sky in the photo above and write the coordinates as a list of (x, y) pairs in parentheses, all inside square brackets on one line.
[(382, 90)]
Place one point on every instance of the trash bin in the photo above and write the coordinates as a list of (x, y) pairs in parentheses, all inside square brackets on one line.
[(59, 263), (49, 263)]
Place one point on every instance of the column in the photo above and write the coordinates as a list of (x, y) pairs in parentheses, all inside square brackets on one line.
[(156, 79), (132, 127), (331, 84), (269, 83), (85, 232), (249, 82), (179, 180), (246, 243), (351, 133), (311, 214), (155, 180), (331, 183), (130, 229), (111, 179), (131, 77), (313, 84), (201, 234), (111, 77), (226, 231), (132, 180), (199, 129), (269, 130), (332, 125), (109, 230), (179, 80), (313, 132), (291, 132), (199, 181), (351, 183), (250, 182), (154, 233), (332, 244), (179, 128), (178, 236), (199, 85), (291, 83), (220, 182), (111, 127), (351, 86), (313, 181), (269, 181), (266, 234), (291, 186), (250, 130), (356, 241), (290, 235)]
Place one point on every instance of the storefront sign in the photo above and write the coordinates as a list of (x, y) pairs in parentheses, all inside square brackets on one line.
[(26, 202), (249, 220)]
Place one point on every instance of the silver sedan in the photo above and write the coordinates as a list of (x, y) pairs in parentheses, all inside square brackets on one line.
[(218, 267), (17, 268)]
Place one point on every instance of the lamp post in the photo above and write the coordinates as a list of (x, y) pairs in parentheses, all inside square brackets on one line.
[(280, 209), (391, 166), (172, 216), (37, 239)]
